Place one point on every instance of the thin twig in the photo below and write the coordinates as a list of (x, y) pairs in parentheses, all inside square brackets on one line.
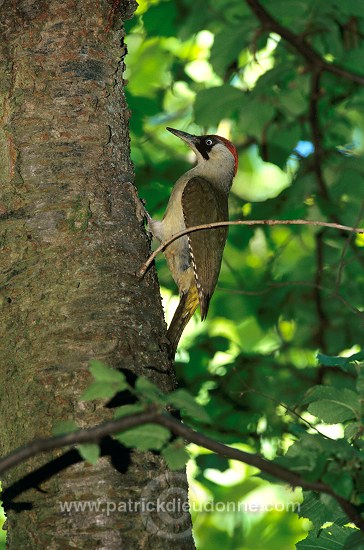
[(322, 320), (282, 404), (152, 415), (316, 134), (164, 245)]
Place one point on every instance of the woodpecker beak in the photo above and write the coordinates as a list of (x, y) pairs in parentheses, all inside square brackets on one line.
[(190, 139)]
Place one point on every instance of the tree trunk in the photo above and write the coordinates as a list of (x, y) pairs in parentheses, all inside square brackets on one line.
[(70, 246)]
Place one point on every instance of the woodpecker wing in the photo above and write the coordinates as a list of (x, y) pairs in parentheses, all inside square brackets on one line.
[(203, 203)]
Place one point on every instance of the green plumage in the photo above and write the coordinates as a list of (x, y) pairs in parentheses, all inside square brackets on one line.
[(202, 203)]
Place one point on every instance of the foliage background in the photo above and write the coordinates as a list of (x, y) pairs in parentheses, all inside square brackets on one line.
[(284, 292)]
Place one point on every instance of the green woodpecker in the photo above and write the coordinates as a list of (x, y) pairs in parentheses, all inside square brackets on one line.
[(199, 196)]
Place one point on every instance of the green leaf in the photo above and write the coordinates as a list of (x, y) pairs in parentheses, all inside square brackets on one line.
[(212, 460), (351, 8), (64, 427), (341, 482), (319, 509), (148, 436), (254, 115), (333, 405), (155, 62), (355, 541), (231, 11), (183, 400), (353, 60), (332, 361), (308, 460), (281, 142), (100, 390), (103, 373), (107, 383), (294, 102), (331, 412), (312, 509), (294, 9), (338, 361), (226, 47), (353, 430), (159, 20), (176, 455), (214, 104), (89, 452), (331, 538), (148, 390), (127, 410), (360, 382)]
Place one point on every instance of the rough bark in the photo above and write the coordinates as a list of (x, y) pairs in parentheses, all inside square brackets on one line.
[(70, 246)]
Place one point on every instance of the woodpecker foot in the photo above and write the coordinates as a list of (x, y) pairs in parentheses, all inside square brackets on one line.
[(140, 210)]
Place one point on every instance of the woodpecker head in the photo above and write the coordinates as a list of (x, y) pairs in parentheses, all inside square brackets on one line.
[(216, 156)]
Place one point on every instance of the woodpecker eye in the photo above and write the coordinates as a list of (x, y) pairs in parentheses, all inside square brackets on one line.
[(209, 142)]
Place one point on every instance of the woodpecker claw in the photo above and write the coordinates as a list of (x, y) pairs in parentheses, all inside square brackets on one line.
[(140, 210)]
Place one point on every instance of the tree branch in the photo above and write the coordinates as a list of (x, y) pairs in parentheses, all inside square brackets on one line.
[(152, 415), (164, 245), (316, 135), (300, 44), (322, 319), (89, 435)]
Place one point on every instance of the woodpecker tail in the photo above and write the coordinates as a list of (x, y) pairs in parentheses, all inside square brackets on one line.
[(185, 309)]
